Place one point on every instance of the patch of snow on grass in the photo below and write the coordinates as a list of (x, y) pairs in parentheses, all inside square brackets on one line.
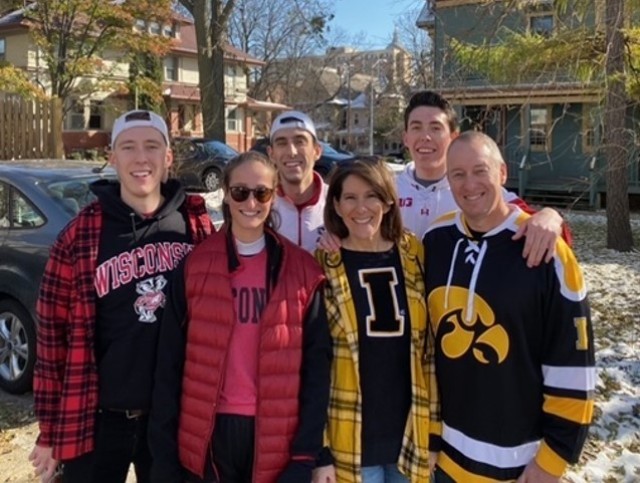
[(612, 451)]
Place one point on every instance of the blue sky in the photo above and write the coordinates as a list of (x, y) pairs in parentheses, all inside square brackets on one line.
[(374, 18)]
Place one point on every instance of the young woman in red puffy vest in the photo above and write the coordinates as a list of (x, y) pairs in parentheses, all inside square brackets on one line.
[(242, 381)]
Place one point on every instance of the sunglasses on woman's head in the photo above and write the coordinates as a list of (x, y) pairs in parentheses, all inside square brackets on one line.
[(241, 193)]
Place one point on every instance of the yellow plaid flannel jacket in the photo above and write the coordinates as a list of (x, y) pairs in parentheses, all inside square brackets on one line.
[(343, 432)]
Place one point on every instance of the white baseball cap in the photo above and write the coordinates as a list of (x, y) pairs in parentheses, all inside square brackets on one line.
[(295, 119), (138, 118)]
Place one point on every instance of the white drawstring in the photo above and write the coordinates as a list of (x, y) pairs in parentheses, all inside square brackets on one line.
[(474, 280), (450, 277), (470, 251)]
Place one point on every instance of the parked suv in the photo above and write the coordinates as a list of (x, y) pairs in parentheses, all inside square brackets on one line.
[(37, 199), (329, 158), (198, 163)]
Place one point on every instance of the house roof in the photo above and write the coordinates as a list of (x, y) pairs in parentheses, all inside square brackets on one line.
[(360, 102), (186, 44), (13, 19), (427, 17), (522, 94), (264, 105)]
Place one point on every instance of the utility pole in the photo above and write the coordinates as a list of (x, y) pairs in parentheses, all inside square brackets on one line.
[(348, 71), (372, 100)]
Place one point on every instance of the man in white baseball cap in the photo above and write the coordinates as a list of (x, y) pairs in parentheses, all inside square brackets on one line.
[(139, 118), (141, 139), (301, 194), (295, 119), (108, 276)]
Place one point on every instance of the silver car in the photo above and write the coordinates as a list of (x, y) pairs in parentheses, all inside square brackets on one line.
[(37, 199)]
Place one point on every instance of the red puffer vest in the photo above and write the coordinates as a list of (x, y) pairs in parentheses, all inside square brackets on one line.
[(211, 319)]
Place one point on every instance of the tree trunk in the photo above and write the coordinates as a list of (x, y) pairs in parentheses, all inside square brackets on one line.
[(211, 41), (617, 139)]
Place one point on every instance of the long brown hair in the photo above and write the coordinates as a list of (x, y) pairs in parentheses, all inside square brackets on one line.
[(373, 171), (273, 220)]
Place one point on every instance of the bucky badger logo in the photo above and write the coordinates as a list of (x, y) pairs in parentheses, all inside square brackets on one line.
[(151, 297)]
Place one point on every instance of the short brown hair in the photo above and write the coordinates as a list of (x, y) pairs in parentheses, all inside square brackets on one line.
[(431, 99), (273, 219), (373, 171)]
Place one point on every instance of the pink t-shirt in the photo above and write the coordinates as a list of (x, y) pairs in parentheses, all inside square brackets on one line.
[(239, 388)]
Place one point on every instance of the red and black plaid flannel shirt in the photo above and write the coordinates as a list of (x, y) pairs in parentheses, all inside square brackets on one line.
[(65, 384)]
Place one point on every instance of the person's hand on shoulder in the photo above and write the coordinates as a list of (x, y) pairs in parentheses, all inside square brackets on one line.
[(541, 232), (328, 242)]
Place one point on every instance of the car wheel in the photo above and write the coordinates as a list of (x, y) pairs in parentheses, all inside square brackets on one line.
[(17, 347), (211, 179)]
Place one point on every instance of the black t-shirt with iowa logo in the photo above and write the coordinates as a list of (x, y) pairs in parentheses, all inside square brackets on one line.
[(384, 330)]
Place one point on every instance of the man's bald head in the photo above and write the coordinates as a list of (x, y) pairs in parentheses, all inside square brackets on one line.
[(479, 138)]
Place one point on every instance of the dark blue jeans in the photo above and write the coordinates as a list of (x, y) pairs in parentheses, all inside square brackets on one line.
[(119, 442)]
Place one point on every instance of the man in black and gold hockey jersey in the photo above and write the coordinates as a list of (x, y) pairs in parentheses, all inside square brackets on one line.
[(514, 347)]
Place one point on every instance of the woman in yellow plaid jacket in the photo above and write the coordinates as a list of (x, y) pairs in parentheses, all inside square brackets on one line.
[(381, 379)]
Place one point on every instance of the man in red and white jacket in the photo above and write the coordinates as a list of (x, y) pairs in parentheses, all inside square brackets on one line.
[(301, 194)]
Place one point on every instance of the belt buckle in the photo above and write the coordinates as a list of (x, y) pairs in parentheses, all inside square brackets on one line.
[(132, 414)]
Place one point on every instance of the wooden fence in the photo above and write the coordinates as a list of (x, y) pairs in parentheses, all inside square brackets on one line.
[(30, 129)]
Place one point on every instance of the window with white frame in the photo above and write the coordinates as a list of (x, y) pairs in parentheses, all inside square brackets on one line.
[(171, 30), (230, 80), (540, 128), (187, 117), (171, 68), (233, 123), (154, 28), (76, 117), (95, 115)]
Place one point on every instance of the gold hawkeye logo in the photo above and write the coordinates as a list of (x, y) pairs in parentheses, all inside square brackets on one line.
[(480, 332)]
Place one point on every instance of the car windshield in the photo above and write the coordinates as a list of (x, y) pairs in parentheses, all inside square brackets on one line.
[(73, 194), (219, 149)]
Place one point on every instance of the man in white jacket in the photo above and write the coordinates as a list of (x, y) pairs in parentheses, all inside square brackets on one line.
[(301, 194)]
